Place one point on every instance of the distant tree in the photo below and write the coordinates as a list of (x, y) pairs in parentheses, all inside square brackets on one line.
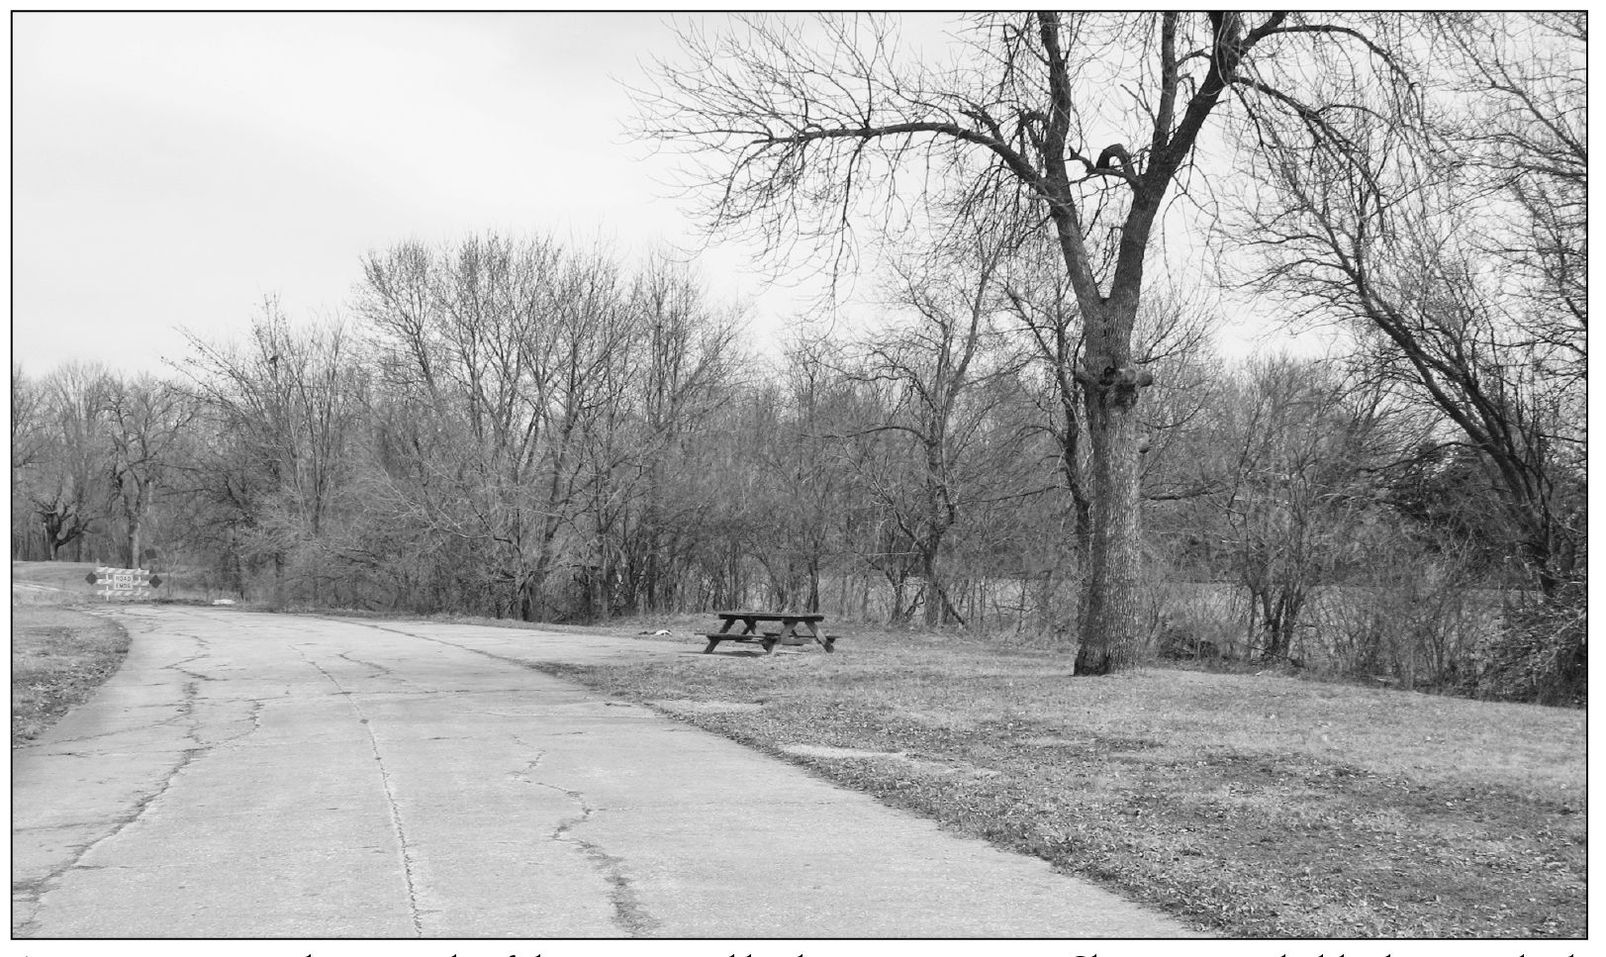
[(1298, 448), (146, 421), (284, 406), (468, 370), (648, 513), (27, 428), (67, 490), (934, 369), (815, 485), (27, 444), (507, 368)]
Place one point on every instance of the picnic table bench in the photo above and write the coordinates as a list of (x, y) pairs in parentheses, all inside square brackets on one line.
[(786, 633)]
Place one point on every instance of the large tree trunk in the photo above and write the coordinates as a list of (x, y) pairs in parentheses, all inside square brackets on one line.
[(1112, 616), (1112, 607), (929, 589), (134, 523), (1076, 481), (813, 604)]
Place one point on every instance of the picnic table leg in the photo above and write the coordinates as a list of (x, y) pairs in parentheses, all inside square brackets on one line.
[(825, 640), (814, 632), (787, 633), (724, 629)]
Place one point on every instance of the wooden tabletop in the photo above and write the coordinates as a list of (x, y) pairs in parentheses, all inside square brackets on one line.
[(773, 615)]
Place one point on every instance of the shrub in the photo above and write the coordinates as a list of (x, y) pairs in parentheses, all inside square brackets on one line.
[(1542, 655)]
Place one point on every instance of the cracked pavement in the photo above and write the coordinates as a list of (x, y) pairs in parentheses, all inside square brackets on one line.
[(253, 775)]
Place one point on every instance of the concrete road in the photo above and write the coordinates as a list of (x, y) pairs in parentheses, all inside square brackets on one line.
[(251, 775)]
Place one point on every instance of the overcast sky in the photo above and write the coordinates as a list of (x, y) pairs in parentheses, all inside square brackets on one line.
[(171, 170)]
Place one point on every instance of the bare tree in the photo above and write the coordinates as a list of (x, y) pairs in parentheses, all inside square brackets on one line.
[(27, 438), (507, 365), (934, 371), (1519, 119), (285, 404), (27, 444), (1383, 219), (688, 365), (67, 490), (813, 493), (1298, 446), (463, 337), (146, 419), (795, 129)]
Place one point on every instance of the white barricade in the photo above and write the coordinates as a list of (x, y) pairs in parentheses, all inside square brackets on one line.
[(126, 583)]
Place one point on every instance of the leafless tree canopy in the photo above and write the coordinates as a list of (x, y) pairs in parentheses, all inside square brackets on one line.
[(1442, 240)]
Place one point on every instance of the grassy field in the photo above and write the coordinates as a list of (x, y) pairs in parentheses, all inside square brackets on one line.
[(59, 654), (1251, 805)]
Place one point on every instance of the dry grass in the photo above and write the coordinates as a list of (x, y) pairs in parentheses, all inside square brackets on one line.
[(51, 583), (59, 656), (1256, 806)]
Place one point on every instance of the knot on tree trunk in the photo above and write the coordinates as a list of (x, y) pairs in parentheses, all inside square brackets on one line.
[(1115, 386)]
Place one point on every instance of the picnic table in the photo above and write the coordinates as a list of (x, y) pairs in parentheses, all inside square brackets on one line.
[(781, 629)]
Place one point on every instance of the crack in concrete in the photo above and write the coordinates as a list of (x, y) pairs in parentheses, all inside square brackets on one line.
[(67, 826), (404, 846), (628, 911), (428, 692), (104, 734), (254, 716), (32, 892), (379, 669), (523, 776), (185, 708), (205, 652), (98, 755), (629, 914)]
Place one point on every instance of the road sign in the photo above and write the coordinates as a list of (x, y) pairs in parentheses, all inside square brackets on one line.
[(122, 583)]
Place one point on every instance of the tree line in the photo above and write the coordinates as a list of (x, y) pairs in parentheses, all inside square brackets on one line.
[(1038, 440)]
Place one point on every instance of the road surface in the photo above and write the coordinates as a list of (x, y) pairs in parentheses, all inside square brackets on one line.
[(254, 775)]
